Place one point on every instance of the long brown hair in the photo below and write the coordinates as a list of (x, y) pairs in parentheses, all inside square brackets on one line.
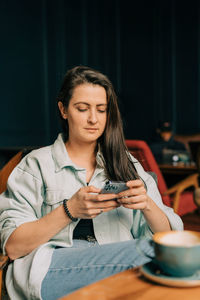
[(117, 162)]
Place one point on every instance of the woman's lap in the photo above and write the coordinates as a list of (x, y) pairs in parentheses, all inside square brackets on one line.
[(86, 262)]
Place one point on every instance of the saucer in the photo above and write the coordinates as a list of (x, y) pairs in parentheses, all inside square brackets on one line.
[(152, 272)]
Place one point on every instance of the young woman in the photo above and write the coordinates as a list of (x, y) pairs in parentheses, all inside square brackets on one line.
[(59, 231)]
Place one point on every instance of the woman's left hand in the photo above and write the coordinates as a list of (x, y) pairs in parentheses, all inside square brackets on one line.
[(135, 197)]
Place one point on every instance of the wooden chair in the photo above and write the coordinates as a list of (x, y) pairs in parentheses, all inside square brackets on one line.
[(4, 174), (186, 139), (7, 169), (179, 196)]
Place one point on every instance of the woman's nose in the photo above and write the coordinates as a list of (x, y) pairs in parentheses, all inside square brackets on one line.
[(92, 118)]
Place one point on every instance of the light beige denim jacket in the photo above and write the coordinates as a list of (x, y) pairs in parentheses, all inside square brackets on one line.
[(38, 185)]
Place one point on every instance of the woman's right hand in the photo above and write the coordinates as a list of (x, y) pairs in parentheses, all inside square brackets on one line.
[(87, 203)]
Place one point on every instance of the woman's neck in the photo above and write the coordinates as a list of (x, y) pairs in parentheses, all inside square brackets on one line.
[(83, 155)]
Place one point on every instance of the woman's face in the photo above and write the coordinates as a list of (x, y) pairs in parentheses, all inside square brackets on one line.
[(86, 113)]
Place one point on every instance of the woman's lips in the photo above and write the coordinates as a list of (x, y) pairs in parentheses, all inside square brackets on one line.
[(91, 129)]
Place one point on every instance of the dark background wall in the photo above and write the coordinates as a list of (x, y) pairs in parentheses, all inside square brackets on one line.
[(149, 49)]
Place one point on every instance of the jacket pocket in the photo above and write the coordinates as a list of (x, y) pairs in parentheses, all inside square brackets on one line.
[(54, 198)]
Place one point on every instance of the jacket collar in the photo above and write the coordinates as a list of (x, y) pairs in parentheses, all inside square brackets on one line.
[(62, 159)]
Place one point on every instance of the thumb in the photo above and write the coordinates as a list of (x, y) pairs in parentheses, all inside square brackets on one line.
[(93, 189)]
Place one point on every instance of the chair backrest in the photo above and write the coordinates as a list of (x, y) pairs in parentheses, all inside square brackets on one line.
[(142, 152), (186, 139), (7, 169), (4, 174)]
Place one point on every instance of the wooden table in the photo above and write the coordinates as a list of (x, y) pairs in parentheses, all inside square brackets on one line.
[(178, 168), (131, 285), (175, 172)]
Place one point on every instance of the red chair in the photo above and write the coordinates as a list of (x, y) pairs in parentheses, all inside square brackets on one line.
[(178, 196)]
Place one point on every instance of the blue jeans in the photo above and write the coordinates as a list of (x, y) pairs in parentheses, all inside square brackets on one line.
[(86, 262)]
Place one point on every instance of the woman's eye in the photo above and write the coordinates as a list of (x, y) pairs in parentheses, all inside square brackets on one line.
[(81, 109), (84, 108), (102, 109)]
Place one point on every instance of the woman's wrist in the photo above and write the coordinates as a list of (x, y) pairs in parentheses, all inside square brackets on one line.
[(148, 206), (67, 211)]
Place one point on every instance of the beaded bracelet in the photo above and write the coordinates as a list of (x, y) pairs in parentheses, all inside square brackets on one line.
[(67, 211)]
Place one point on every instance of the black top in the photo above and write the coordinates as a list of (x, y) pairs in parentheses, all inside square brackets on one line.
[(83, 229)]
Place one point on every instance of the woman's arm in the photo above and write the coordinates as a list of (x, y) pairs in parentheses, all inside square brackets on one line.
[(30, 235), (136, 198), (85, 203), (155, 217)]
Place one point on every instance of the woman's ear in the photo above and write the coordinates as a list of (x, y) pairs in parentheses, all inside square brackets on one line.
[(62, 110)]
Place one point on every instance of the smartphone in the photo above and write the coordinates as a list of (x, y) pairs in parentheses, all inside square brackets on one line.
[(114, 187)]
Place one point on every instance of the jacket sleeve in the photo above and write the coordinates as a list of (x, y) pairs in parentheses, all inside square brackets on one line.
[(22, 201), (140, 226)]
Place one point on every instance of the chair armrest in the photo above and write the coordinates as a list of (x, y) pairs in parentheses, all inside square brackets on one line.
[(177, 189), (191, 180), (197, 197), (4, 260)]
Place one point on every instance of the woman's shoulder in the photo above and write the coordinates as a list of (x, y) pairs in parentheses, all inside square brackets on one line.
[(34, 161), (45, 153), (139, 168), (38, 154)]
